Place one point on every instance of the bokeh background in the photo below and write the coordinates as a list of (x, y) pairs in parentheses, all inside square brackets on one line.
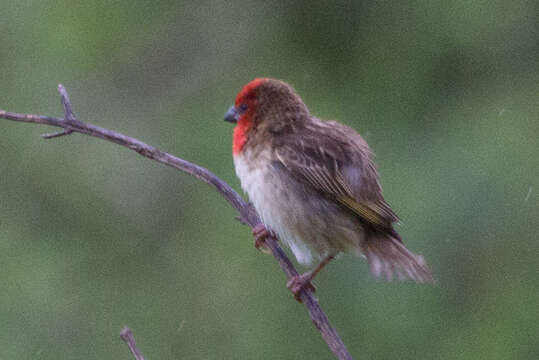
[(94, 237)]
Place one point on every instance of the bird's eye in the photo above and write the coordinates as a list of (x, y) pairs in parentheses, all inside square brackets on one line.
[(243, 107)]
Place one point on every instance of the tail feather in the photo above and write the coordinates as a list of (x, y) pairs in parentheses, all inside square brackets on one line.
[(387, 257)]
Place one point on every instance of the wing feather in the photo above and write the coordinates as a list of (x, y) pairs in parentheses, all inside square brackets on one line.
[(326, 165)]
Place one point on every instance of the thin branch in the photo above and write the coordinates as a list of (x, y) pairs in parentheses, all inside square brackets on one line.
[(56, 134), (247, 214), (127, 336)]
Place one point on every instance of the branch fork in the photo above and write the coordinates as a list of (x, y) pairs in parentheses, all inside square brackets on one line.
[(69, 118)]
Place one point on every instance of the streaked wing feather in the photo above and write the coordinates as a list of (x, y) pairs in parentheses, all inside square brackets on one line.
[(322, 170), (369, 212)]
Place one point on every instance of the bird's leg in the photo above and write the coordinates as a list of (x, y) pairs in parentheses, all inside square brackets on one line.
[(260, 233), (298, 282)]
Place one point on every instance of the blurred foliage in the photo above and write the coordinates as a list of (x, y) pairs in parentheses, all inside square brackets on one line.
[(93, 237)]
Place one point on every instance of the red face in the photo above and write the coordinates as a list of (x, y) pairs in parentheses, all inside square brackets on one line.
[(247, 95), (245, 102), (242, 112)]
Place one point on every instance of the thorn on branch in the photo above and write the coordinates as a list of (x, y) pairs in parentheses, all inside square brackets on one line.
[(69, 117), (127, 336), (56, 134), (242, 220)]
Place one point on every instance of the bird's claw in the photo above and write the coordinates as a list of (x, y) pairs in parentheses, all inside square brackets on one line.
[(260, 233), (298, 283)]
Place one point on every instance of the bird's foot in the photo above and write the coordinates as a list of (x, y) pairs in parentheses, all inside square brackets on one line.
[(260, 233), (299, 282)]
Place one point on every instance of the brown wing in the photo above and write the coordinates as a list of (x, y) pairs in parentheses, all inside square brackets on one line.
[(335, 160)]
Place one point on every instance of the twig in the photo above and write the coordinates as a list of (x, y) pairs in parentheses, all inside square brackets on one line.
[(129, 339), (247, 214)]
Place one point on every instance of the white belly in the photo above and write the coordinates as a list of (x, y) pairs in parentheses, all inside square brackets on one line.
[(282, 210)]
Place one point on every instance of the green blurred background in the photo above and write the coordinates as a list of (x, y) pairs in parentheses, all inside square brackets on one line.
[(94, 237)]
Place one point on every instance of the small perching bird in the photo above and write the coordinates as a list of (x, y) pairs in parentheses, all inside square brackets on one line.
[(314, 184)]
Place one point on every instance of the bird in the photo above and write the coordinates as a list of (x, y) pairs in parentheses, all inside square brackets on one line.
[(314, 185)]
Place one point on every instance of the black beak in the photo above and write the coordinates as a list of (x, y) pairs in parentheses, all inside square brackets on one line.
[(232, 115)]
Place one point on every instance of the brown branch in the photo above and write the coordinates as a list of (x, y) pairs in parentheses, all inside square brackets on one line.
[(247, 214), (129, 339)]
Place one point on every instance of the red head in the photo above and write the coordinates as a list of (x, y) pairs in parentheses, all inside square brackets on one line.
[(242, 113), (263, 101)]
